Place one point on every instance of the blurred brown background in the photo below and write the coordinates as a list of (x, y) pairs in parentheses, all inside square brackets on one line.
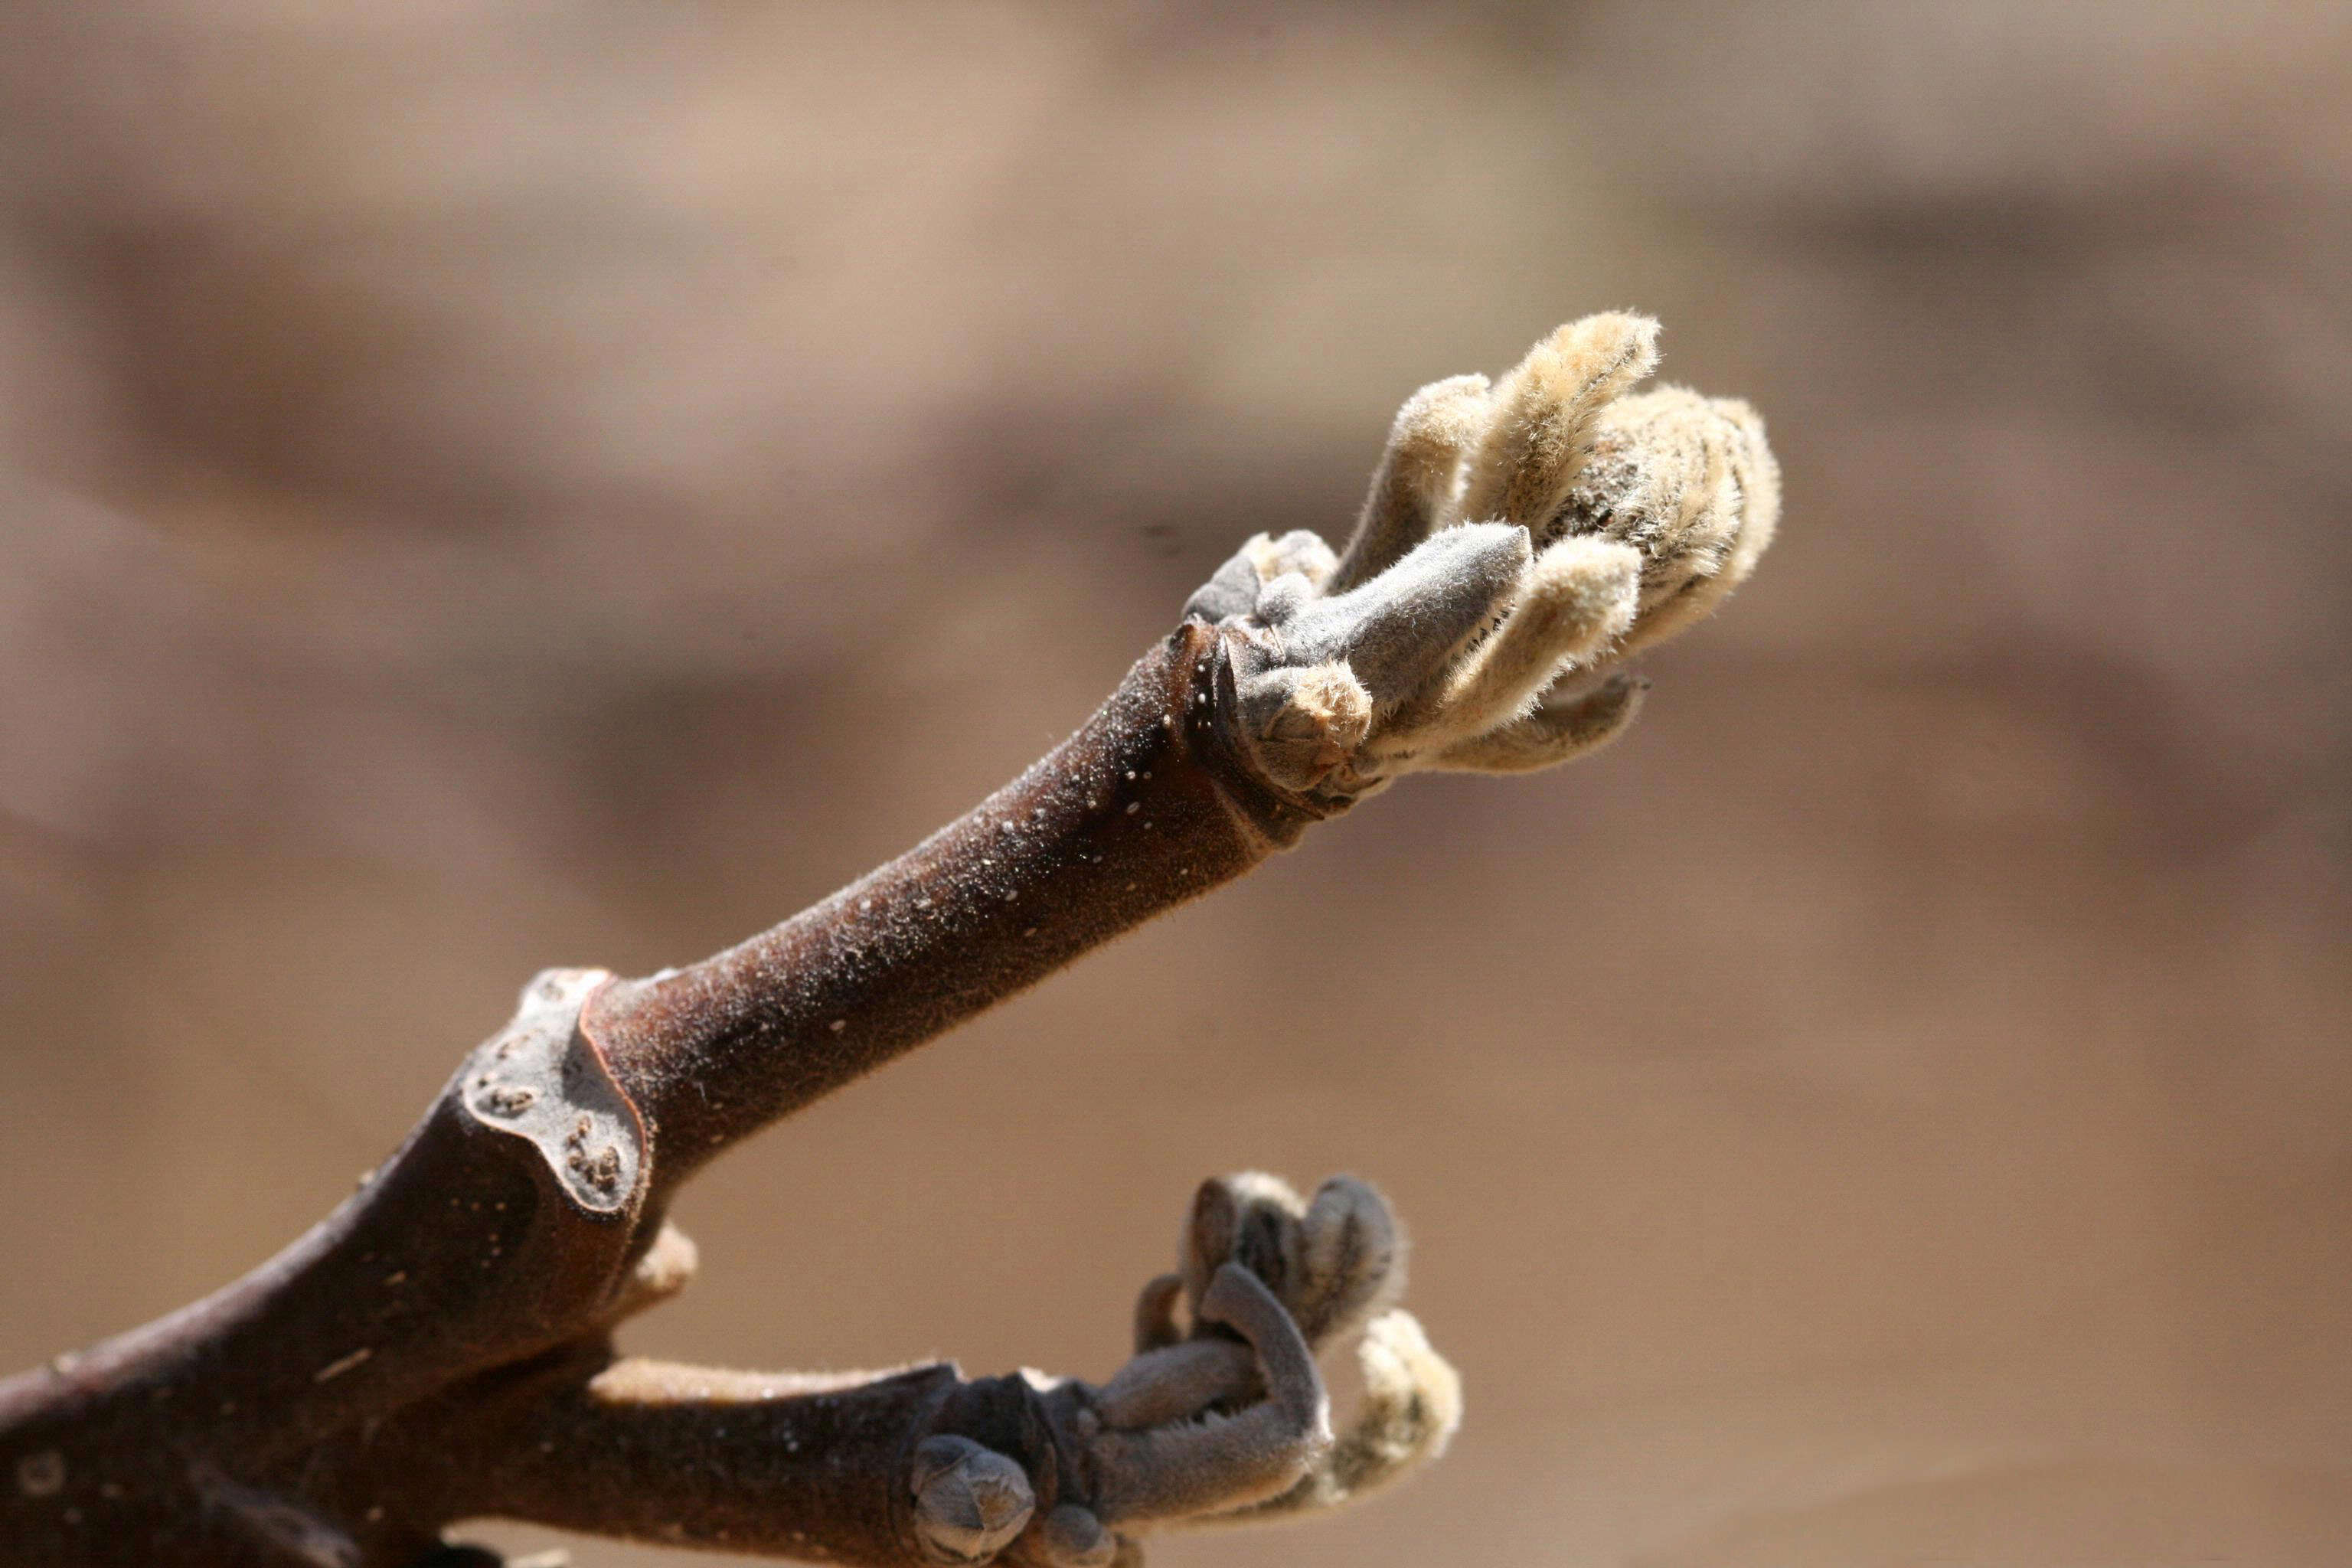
[(493, 486)]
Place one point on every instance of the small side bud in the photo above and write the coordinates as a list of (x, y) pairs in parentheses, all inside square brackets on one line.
[(1301, 551), (1304, 723), (1072, 1536), (1351, 1260), (970, 1501)]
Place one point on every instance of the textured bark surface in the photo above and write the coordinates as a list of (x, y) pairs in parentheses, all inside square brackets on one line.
[(439, 1347), (1145, 806)]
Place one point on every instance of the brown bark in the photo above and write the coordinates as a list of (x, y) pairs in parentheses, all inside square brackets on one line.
[(439, 1347), (1145, 806)]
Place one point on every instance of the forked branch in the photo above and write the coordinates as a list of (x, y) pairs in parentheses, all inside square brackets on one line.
[(440, 1347)]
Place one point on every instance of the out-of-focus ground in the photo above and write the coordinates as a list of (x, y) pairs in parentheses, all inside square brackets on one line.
[(484, 488)]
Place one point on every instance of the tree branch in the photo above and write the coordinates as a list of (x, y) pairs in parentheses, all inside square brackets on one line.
[(440, 1347), (1149, 805)]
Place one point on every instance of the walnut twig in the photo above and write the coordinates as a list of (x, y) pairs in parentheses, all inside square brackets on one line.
[(440, 1347)]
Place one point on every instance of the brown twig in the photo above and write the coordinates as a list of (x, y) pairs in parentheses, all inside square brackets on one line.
[(440, 1347)]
